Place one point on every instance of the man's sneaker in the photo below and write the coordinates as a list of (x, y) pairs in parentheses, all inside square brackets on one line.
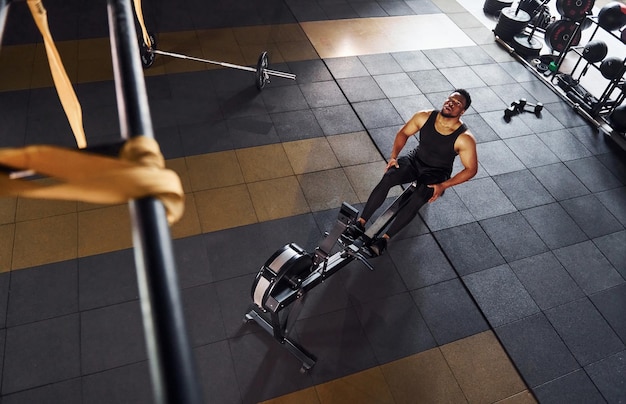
[(378, 247), (355, 231)]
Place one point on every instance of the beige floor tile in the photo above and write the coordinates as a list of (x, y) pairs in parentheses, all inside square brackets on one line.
[(449, 6), (483, 369), (525, 397), (219, 37), (264, 162), (41, 76), (306, 396), (94, 49), (288, 33), (42, 241), (310, 155), (300, 50), (15, 77), (465, 20), (104, 230), (224, 208), (189, 224), (368, 386), (327, 189), (354, 148), (17, 55), (214, 170), (422, 378), (30, 209), (257, 35), (364, 178), (91, 70), (180, 166), (8, 207), (7, 236), (277, 198)]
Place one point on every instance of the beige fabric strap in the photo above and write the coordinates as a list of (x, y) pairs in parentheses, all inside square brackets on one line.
[(88, 177), (144, 31), (61, 81)]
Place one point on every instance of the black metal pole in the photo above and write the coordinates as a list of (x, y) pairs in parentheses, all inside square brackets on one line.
[(172, 367)]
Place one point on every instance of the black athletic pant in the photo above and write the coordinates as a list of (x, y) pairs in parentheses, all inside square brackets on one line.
[(410, 169)]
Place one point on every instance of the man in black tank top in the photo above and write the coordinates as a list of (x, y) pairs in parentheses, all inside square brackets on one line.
[(442, 136)]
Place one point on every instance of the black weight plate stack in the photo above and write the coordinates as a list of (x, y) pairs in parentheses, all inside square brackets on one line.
[(511, 22), (574, 10), (562, 33), (493, 7), (526, 45), (147, 56), (260, 76)]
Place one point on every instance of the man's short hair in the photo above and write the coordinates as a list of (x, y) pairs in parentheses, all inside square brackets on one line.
[(466, 95)]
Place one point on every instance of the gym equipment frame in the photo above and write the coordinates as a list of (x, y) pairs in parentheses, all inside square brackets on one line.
[(281, 285)]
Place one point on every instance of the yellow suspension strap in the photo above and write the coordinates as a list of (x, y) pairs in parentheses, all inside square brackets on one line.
[(87, 177), (144, 32), (61, 81)]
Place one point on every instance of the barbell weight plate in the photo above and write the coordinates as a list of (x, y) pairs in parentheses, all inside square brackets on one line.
[(147, 56), (574, 10), (260, 74), (562, 33), (526, 45)]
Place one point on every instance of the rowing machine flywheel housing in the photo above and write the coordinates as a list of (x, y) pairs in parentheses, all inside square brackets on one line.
[(282, 272)]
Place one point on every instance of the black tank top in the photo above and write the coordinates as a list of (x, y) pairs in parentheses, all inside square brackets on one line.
[(435, 149)]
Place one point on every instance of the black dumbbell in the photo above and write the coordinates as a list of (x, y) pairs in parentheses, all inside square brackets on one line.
[(514, 109), (535, 108)]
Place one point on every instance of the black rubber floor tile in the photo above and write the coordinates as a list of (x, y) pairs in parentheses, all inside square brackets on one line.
[(218, 383), (471, 55), (594, 140), (310, 71), (484, 99), (589, 268), (420, 262), (479, 128), (345, 67), (612, 247), (447, 211), (484, 199), (41, 353), (537, 350), (413, 61), (67, 392), (523, 189), (615, 164), (591, 216), (192, 262), (572, 388), (209, 137), (449, 311), (245, 103), (170, 143), (546, 280), (296, 125), (323, 94), (399, 313), (5, 280), (396, 8), (608, 376), (43, 292), (444, 58), (408, 106), (363, 285), (284, 98), (615, 200), (500, 295), (555, 227), (503, 128), (463, 77), (338, 341), (531, 151), (397, 85), (429, 81), (591, 172), (518, 71), (513, 237), (496, 158), (111, 336), (107, 279), (358, 89), (203, 315), (256, 130), (377, 114), (565, 114), (129, 383), (235, 298), (368, 9), (560, 181), (564, 144), (381, 63), (338, 119), (469, 248), (585, 332), (610, 303), (336, 11)]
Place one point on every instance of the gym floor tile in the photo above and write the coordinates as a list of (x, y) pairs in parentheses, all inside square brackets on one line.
[(224, 208), (609, 303), (585, 332), (217, 386), (345, 67), (41, 353), (202, 315), (614, 200), (449, 311), (468, 248), (531, 151), (327, 189), (337, 119), (310, 155), (523, 189), (130, 382), (363, 285), (578, 258), (397, 85), (284, 98), (555, 227), (107, 279), (358, 89), (322, 94), (611, 246), (615, 165), (192, 261), (591, 216), (7, 237), (513, 236), (607, 375), (462, 77), (309, 395), (560, 181), (367, 386), (263, 163), (423, 377), (499, 380), (576, 386), (189, 224), (546, 280), (43, 292), (411, 61), (564, 144), (5, 280), (429, 81), (354, 148), (448, 211), (224, 167), (111, 336), (377, 113), (484, 199), (496, 158), (444, 57), (69, 391), (406, 107), (56, 238), (398, 313), (382, 63), (471, 55), (234, 299), (364, 178), (296, 125), (256, 130), (104, 230), (504, 129), (500, 295), (277, 198), (420, 262), (593, 174)]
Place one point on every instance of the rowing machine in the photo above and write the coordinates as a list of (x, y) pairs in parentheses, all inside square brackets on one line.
[(281, 285)]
